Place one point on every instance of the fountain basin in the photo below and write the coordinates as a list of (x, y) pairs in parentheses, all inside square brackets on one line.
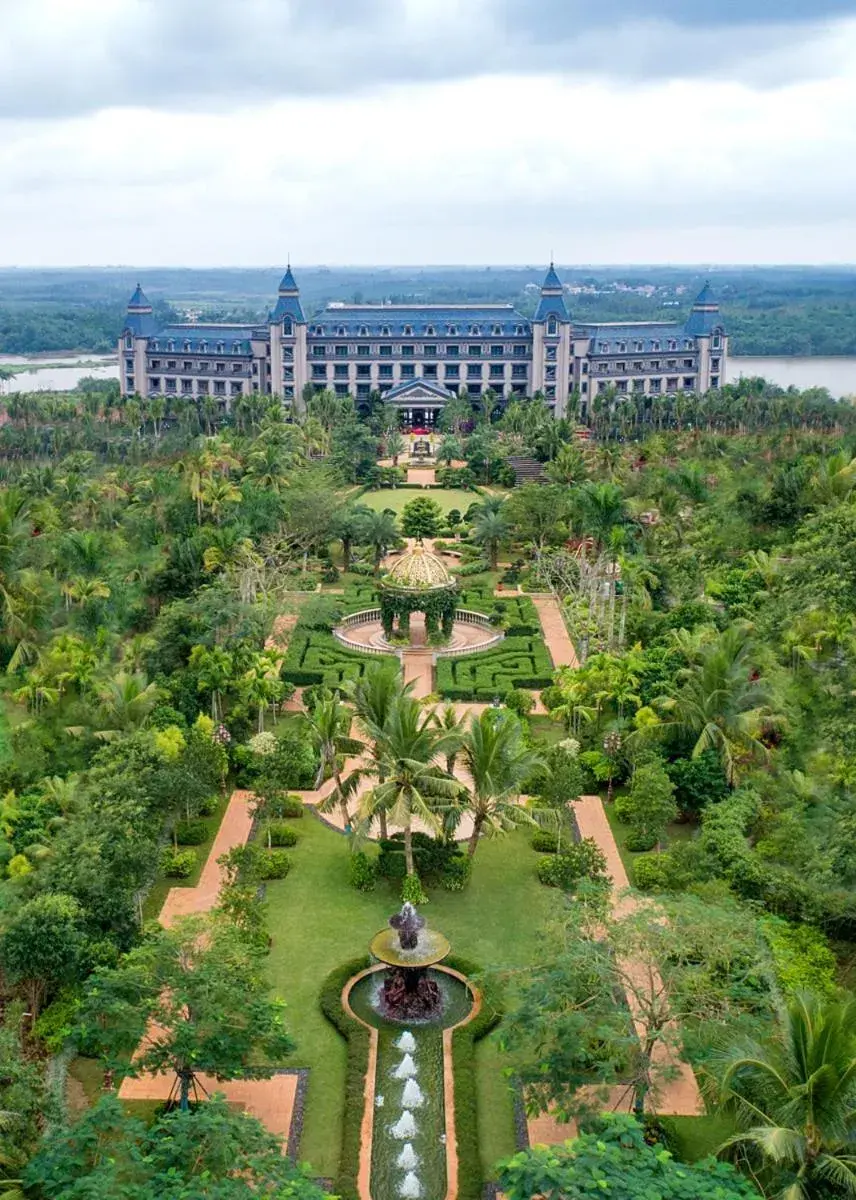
[(431, 948)]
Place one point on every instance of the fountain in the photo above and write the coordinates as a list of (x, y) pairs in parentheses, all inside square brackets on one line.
[(410, 1188), (405, 1127), (408, 992), (408, 1159), (412, 1096), (407, 1042)]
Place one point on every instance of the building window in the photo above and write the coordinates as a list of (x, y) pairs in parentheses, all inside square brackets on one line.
[(186, 386), (602, 368), (656, 385), (408, 371), (129, 383), (550, 373), (341, 331), (655, 345), (518, 371), (671, 363), (452, 330), (496, 351), (129, 342), (550, 392), (385, 370), (518, 331), (496, 370), (202, 387), (621, 366), (288, 373), (288, 392), (473, 389), (714, 381), (552, 327), (688, 364), (362, 389), (601, 387), (319, 330), (171, 364), (363, 351), (622, 347), (187, 365), (453, 351), (186, 345), (170, 345), (384, 329), (287, 328), (155, 383), (551, 354), (429, 330), (340, 371), (638, 366), (654, 364), (341, 389), (129, 364), (474, 350), (621, 385), (363, 371), (639, 385), (671, 384), (717, 341), (603, 347), (219, 387), (364, 331), (689, 383), (237, 347), (319, 351), (340, 351), (221, 347), (688, 343), (474, 371), (475, 331), (430, 351), (673, 345), (386, 351), (407, 351), (236, 389), (170, 385), (637, 346), (453, 371), (319, 372), (518, 351)]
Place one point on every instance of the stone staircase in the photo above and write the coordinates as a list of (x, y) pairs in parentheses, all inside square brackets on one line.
[(526, 470)]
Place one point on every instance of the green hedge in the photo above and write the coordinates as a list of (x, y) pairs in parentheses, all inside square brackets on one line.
[(521, 662), (470, 1175), (316, 657), (519, 616), (357, 1037)]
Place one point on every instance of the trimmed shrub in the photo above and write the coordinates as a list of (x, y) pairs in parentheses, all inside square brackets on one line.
[(432, 857), (274, 864), (516, 663), (178, 864), (545, 842), (362, 872), (281, 834), (640, 840), (412, 891), (315, 657), (290, 806), (478, 567), (191, 833), (458, 873), (519, 701), (584, 860), (658, 873), (357, 1037)]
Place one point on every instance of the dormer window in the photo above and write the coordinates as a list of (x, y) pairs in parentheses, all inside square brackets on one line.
[(475, 331), (186, 344), (604, 347), (452, 330), (237, 347), (637, 346), (364, 331), (497, 331), (673, 345), (429, 330), (622, 346), (287, 328), (384, 329), (203, 347), (518, 331), (129, 342), (170, 344), (220, 347), (408, 331), (717, 341), (552, 327), (319, 330), (154, 344), (688, 343), (655, 345), (340, 331)]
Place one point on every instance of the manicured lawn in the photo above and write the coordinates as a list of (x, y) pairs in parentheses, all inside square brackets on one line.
[(396, 498), (317, 921)]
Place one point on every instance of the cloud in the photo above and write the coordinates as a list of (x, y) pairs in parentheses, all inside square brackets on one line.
[(63, 59)]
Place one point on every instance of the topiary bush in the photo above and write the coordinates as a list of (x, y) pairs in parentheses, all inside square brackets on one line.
[(457, 873), (274, 864), (281, 834), (640, 840), (545, 842), (519, 701), (412, 891), (290, 806), (518, 662), (178, 864), (432, 857), (191, 833), (362, 871)]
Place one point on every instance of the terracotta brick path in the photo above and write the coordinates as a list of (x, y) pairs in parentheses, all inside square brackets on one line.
[(421, 475), (555, 632)]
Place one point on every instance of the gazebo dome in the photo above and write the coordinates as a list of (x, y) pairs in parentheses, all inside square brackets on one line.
[(418, 571)]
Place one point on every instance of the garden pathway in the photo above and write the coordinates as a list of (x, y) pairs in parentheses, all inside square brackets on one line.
[(421, 476), (675, 1097), (272, 1100), (555, 632)]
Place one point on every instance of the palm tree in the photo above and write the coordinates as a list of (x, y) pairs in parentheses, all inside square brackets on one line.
[(217, 494), (489, 530), (601, 508), (329, 728), (449, 723), (126, 702), (395, 445), (794, 1098), (720, 701), (413, 785), (498, 763), (214, 671), (373, 697), (378, 530), (348, 526)]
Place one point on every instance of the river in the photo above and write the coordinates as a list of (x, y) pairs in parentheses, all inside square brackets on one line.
[(61, 372), (56, 372)]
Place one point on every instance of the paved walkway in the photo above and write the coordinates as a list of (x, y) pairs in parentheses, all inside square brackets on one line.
[(555, 632), (678, 1097), (421, 476)]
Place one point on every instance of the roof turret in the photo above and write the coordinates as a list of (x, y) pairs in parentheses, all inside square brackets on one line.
[(139, 321), (552, 302), (139, 301), (287, 283), (705, 315), (288, 302), (552, 282)]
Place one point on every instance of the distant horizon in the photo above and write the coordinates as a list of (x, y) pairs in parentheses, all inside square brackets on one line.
[(662, 265)]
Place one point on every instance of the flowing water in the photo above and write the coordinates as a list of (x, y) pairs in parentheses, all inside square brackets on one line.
[(409, 1143)]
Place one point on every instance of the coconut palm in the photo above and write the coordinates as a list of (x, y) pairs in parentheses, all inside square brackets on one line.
[(498, 763), (413, 787), (489, 530), (348, 526), (373, 697), (395, 445), (378, 530), (126, 702), (329, 728), (720, 701), (794, 1098)]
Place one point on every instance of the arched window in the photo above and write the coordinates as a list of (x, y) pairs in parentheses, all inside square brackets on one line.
[(452, 330), (518, 330), (220, 347), (408, 331), (384, 330), (129, 342), (655, 345), (673, 345), (340, 331), (497, 331), (187, 343), (170, 344), (287, 328), (552, 327), (429, 330), (319, 330), (604, 347), (364, 331), (475, 331), (203, 347), (622, 346)]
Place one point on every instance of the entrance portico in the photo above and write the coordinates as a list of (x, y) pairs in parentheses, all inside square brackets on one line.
[(419, 401)]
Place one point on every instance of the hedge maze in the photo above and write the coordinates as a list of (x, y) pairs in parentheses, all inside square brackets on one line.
[(517, 615), (316, 657), (522, 662)]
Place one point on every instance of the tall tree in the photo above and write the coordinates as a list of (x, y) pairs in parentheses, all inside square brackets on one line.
[(498, 762)]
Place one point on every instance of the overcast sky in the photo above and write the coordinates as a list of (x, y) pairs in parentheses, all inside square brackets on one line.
[(427, 131)]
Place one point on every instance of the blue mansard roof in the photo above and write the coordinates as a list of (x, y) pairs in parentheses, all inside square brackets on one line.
[(705, 316), (288, 306), (424, 320), (653, 336), (552, 301), (190, 338), (552, 282), (139, 319)]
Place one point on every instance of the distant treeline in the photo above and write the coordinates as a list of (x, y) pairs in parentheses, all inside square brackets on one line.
[(769, 310)]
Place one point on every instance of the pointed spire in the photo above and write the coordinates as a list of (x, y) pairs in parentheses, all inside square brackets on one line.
[(139, 302), (706, 297), (552, 282), (287, 283)]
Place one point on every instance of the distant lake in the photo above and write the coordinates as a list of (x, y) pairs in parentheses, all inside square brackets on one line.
[(56, 372), (837, 374), (62, 372)]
